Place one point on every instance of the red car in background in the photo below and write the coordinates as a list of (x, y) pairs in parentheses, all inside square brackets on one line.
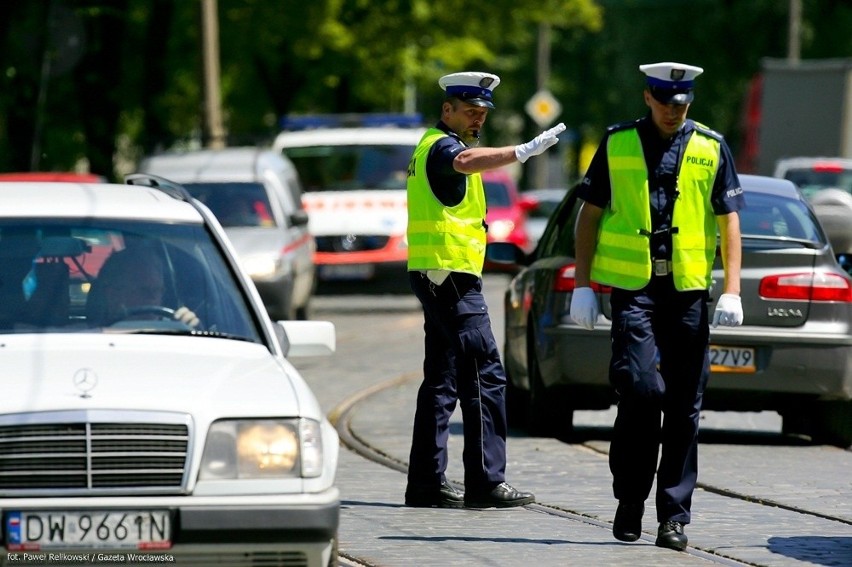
[(507, 209), (57, 176)]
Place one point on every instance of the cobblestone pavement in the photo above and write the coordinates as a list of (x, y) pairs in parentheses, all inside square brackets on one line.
[(377, 529), (740, 454)]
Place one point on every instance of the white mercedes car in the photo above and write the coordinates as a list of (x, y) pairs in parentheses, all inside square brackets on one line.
[(148, 408)]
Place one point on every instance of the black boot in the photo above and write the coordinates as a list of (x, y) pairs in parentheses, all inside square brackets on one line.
[(501, 496), (440, 496), (627, 525), (671, 535)]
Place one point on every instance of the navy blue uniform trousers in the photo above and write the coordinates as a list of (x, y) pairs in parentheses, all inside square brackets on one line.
[(658, 319), (461, 365)]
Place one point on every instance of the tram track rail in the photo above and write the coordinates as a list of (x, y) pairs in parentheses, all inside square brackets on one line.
[(727, 493)]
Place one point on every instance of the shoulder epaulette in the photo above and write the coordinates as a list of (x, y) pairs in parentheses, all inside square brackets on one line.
[(708, 131), (622, 126)]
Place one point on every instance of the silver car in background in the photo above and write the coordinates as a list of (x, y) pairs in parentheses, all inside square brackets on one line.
[(256, 195), (793, 354), (827, 183), (813, 174)]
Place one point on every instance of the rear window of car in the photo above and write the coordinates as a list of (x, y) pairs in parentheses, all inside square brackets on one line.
[(544, 208), (811, 180), (765, 216), (348, 168), (768, 215), (235, 204)]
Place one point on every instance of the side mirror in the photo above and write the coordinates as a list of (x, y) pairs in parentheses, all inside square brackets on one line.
[(505, 257), (306, 338), (299, 218)]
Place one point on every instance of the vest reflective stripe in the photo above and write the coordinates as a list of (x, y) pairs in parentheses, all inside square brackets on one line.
[(622, 257), (440, 237)]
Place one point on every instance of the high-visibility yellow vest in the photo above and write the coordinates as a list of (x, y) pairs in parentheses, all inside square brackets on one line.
[(623, 254), (441, 237)]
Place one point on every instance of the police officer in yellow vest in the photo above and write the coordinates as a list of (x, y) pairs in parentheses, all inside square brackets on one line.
[(446, 251), (654, 195)]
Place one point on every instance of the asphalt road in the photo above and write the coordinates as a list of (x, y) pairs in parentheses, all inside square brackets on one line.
[(764, 499)]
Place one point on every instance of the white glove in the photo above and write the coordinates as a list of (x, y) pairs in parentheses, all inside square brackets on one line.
[(187, 317), (584, 307), (538, 144), (729, 311)]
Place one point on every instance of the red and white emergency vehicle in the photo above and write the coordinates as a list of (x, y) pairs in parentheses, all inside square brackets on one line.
[(354, 179)]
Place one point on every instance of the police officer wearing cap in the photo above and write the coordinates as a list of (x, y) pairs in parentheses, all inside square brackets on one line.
[(654, 196), (446, 252)]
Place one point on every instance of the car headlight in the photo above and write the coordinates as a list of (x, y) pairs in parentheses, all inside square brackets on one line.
[(262, 265), (501, 229), (243, 449)]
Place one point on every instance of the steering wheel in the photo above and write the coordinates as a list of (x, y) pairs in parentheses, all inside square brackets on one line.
[(155, 312), (159, 311)]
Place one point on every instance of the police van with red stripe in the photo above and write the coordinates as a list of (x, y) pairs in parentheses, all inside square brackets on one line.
[(353, 170)]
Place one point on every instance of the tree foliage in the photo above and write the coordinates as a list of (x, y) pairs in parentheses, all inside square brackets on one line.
[(99, 83)]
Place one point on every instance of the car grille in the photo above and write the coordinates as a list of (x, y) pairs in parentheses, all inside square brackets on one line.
[(90, 457), (351, 242)]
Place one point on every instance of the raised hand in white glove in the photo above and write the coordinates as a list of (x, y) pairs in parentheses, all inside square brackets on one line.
[(584, 307), (187, 317), (539, 144), (729, 311)]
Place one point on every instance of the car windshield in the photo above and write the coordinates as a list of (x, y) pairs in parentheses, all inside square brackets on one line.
[(770, 215), (235, 204), (496, 194), (102, 276), (811, 180), (347, 168)]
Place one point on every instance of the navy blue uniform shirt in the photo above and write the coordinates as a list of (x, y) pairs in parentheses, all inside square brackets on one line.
[(661, 160), (447, 184)]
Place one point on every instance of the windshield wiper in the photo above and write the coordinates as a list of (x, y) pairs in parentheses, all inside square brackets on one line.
[(183, 332)]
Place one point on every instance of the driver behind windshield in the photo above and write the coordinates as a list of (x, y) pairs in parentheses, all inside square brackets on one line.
[(130, 286)]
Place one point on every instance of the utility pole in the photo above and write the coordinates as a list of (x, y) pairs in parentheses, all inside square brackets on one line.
[(542, 165), (46, 57), (794, 32), (215, 132)]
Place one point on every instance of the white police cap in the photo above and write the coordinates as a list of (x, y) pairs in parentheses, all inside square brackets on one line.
[(472, 87), (671, 82)]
